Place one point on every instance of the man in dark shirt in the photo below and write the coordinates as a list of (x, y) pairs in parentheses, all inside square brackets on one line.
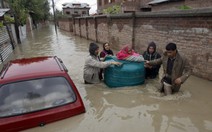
[(176, 69)]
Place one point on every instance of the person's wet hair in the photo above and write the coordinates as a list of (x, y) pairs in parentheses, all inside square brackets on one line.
[(104, 45), (151, 44), (92, 48), (171, 46)]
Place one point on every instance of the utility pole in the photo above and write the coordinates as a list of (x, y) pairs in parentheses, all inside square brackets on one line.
[(55, 24), (2, 4), (15, 24)]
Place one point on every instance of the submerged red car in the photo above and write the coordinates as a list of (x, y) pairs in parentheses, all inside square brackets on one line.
[(36, 91)]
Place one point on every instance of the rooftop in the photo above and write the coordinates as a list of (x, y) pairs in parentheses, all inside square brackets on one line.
[(3, 11), (75, 5), (161, 1)]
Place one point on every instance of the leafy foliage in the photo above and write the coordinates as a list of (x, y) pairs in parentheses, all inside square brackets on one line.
[(184, 7), (8, 19), (112, 10), (1, 24), (39, 9), (18, 10), (59, 14)]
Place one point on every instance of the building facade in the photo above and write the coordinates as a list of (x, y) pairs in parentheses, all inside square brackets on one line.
[(125, 5), (170, 5), (152, 5), (76, 9)]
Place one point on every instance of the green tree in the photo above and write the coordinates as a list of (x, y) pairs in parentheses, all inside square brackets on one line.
[(59, 14), (19, 13), (21, 8), (18, 10), (38, 10), (112, 10), (8, 19)]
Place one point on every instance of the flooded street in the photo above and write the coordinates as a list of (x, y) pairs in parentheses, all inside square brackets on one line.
[(128, 109)]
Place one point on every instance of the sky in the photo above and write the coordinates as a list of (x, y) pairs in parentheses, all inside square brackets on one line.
[(92, 4)]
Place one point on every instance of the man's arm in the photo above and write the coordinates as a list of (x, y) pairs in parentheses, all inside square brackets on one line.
[(155, 62), (187, 71)]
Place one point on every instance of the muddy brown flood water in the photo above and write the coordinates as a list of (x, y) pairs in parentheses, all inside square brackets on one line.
[(128, 109)]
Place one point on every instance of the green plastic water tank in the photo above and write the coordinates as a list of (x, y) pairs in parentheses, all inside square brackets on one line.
[(128, 74)]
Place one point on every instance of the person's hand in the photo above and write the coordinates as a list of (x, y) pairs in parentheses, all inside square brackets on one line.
[(147, 66), (150, 67), (116, 63), (103, 58), (178, 81), (146, 61)]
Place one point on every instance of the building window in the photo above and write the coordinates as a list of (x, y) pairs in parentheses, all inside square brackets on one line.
[(111, 1), (68, 12), (83, 12), (76, 5), (146, 9), (75, 12), (99, 2), (105, 2)]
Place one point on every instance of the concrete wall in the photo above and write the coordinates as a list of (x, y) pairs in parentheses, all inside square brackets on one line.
[(191, 30)]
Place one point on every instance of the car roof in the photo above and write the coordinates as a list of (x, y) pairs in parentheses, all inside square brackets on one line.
[(32, 68)]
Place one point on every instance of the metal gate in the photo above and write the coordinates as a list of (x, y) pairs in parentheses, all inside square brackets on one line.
[(5, 44)]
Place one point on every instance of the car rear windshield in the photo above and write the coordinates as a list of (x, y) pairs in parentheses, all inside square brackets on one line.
[(33, 95)]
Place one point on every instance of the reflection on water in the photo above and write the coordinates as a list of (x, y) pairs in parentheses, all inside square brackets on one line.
[(137, 108)]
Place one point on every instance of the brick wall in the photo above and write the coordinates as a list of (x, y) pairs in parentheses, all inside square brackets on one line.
[(199, 3), (120, 31), (66, 24), (170, 6), (191, 30), (76, 26), (92, 29), (192, 34), (102, 29), (193, 4), (83, 28)]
